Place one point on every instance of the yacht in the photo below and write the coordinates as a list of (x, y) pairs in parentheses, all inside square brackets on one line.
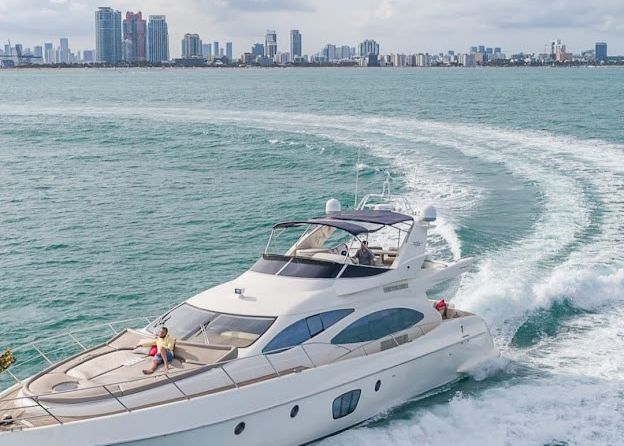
[(307, 343)]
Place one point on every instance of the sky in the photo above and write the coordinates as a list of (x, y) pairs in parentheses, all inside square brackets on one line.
[(405, 26)]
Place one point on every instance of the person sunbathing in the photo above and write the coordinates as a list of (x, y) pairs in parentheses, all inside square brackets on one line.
[(164, 350)]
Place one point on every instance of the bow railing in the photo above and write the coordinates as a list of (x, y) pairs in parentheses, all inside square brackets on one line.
[(25, 411)]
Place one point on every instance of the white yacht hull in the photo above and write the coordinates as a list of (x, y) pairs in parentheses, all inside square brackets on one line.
[(405, 372)]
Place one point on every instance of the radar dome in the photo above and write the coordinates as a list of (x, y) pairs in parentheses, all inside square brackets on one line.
[(332, 206), (428, 213)]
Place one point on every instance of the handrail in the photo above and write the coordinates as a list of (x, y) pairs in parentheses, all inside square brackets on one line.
[(69, 335), (172, 376)]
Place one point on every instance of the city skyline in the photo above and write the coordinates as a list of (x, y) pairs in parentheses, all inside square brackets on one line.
[(400, 26)]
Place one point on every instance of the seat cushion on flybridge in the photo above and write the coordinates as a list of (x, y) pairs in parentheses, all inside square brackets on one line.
[(118, 367)]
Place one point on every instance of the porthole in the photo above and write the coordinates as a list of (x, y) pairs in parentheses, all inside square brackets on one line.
[(294, 411), (240, 427), (377, 385)]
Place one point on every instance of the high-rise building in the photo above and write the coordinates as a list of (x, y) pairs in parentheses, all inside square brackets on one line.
[(48, 53), (295, 44), (38, 53), (228, 51), (107, 35), (329, 52), (601, 51), (88, 56), (191, 46), (481, 49), (369, 47), (270, 44), (207, 50), (216, 51), (64, 50), (257, 50), (134, 31), (157, 39)]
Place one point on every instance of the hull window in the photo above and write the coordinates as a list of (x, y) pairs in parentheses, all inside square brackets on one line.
[(345, 404), (240, 427), (294, 411), (305, 329), (378, 325)]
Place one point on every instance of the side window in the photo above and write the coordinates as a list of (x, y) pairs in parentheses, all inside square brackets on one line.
[(345, 404), (305, 329), (377, 325)]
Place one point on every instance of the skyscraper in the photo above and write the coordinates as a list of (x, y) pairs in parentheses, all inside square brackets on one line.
[(38, 52), (257, 50), (228, 51), (369, 47), (215, 50), (295, 44), (207, 50), (601, 51), (134, 31), (107, 35), (48, 53), (270, 44), (158, 39), (191, 46), (64, 50)]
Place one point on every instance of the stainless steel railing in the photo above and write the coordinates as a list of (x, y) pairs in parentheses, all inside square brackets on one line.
[(302, 357)]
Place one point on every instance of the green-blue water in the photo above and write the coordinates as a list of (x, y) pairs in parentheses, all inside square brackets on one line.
[(123, 192)]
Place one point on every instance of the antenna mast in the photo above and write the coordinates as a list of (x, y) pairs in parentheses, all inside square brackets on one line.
[(357, 177)]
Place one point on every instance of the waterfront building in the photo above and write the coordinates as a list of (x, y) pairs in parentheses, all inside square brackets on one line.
[(229, 52), (64, 51), (257, 50), (601, 51), (481, 49), (127, 50), (191, 46), (474, 49), (216, 53), (207, 50), (107, 35), (158, 39), (329, 52), (281, 58), (295, 44), (48, 53), (270, 44), (369, 48), (468, 60), (88, 56), (134, 32), (38, 53)]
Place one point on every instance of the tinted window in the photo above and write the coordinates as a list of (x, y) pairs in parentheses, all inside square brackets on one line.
[(345, 404), (238, 331), (315, 325), (377, 325), (182, 321), (307, 328)]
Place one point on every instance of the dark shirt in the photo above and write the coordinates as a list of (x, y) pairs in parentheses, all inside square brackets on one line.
[(365, 257)]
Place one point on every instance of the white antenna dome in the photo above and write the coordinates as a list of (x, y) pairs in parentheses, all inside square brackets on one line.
[(332, 206), (428, 213)]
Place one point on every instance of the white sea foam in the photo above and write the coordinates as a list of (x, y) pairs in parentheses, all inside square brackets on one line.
[(537, 412)]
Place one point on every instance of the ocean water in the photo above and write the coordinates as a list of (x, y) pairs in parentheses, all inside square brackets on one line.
[(123, 192)]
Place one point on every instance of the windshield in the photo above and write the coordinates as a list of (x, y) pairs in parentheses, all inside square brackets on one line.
[(182, 321), (189, 323), (309, 240)]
